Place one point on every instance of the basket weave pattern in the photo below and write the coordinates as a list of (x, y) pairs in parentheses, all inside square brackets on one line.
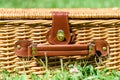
[(33, 24)]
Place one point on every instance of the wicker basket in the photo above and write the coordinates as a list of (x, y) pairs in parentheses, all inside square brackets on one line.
[(33, 24)]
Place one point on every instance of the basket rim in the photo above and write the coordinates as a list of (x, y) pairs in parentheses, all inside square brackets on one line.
[(45, 13)]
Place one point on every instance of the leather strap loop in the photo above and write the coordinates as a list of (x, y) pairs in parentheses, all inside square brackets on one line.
[(59, 22)]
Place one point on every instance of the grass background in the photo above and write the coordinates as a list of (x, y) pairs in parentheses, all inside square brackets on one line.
[(59, 3)]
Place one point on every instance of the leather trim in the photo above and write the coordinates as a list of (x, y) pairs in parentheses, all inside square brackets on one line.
[(99, 47), (59, 50), (59, 22), (23, 50), (28, 49), (70, 47)]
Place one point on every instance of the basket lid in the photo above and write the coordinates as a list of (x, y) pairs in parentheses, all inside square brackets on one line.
[(81, 13)]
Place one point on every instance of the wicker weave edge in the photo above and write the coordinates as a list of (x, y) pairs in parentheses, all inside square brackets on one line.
[(46, 13)]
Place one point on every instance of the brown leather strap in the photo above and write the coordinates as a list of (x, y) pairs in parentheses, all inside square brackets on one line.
[(70, 47), (25, 48), (59, 53), (58, 50), (59, 22)]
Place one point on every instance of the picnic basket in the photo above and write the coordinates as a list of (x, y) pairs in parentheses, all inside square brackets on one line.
[(33, 24)]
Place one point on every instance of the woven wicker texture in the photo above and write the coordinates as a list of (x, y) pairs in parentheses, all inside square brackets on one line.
[(14, 27), (46, 13)]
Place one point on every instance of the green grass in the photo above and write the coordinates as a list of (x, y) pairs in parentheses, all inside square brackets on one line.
[(72, 73), (59, 3)]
